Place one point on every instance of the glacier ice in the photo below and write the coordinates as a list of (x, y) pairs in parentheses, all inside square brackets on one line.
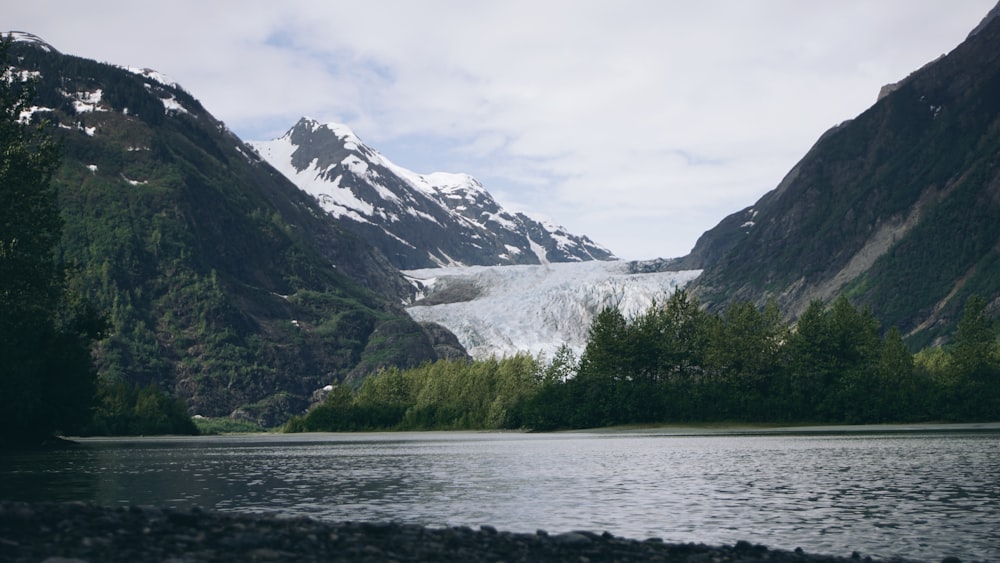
[(501, 310)]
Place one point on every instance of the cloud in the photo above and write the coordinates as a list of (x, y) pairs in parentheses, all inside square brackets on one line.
[(640, 123)]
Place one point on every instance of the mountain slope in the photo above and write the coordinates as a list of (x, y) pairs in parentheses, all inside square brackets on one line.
[(418, 221), (224, 283), (899, 208)]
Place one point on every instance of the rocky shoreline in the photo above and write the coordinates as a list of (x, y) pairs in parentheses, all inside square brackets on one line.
[(75, 532)]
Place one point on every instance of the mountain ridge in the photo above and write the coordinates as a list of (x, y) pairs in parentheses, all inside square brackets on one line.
[(897, 208), (417, 220)]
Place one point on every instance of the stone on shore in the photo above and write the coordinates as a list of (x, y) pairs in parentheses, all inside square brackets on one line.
[(77, 532)]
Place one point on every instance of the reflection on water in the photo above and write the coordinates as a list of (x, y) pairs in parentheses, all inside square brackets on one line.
[(918, 494)]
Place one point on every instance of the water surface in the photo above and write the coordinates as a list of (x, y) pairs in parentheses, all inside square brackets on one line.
[(909, 493)]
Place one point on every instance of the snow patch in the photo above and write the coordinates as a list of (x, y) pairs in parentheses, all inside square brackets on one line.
[(134, 182), (151, 74), (334, 198), (25, 37), (26, 115), (23, 75), (443, 260), (172, 105), (86, 102), (502, 219), (248, 153), (423, 215), (539, 250)]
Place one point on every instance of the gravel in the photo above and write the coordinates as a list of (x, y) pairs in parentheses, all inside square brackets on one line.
[(76, 532)]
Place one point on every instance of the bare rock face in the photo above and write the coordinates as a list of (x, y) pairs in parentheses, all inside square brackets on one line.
[(897, 209), (446, 344), (987, 20)]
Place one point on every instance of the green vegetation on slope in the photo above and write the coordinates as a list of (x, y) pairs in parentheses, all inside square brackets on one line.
[(447, 394), (679, 363), (47, 379), (221, 282)]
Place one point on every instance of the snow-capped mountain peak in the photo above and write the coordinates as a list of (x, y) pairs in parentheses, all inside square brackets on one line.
[(25, 37), (342, 132), (417, 220)]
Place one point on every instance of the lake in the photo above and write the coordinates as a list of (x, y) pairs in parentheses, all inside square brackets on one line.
[(921, 492)]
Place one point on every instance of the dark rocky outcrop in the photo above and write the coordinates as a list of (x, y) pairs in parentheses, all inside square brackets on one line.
[(899, 208), (446, 344)]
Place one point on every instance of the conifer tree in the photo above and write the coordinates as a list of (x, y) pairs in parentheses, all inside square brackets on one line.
[(47, 377), (975, 359)]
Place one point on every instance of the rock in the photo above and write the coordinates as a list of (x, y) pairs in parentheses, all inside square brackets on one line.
[(64, 533)]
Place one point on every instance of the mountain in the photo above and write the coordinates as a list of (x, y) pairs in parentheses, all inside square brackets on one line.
[(502, 310), (223, 282), (417, 221), (898, 209)]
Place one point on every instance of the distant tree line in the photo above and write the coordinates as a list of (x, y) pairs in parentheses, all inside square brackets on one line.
[(446, 394), (679, 363)]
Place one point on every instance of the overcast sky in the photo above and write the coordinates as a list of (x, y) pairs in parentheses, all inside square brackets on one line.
[(638, 123)]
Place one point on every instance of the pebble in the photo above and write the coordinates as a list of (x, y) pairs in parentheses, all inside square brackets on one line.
[(80, 533)]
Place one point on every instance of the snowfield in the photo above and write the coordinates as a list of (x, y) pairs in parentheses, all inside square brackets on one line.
[(502, 310)]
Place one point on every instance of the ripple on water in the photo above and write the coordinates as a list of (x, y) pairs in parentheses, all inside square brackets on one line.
[(909, 495)]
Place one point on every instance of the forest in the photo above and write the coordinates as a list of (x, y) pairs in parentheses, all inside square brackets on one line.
[(678, 363), (48, 325)]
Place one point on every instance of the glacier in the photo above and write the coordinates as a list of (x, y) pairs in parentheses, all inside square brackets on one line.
[(502, 310)]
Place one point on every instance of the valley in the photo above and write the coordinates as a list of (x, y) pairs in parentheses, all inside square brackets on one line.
[(241, 277)]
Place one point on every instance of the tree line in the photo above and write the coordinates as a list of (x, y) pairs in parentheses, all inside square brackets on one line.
[(678, 363), (446, 394)]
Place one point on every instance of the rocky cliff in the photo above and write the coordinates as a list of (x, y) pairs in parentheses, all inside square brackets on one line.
[(898, 208)]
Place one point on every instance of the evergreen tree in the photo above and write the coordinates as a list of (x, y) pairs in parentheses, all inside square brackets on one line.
[(745, 358), (897, 396), (857, 349), (47, 377), (684, 330), (975, 359), (811, 363), (604, 367)]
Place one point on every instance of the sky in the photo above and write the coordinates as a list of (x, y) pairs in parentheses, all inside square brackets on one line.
[(639, 123)]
